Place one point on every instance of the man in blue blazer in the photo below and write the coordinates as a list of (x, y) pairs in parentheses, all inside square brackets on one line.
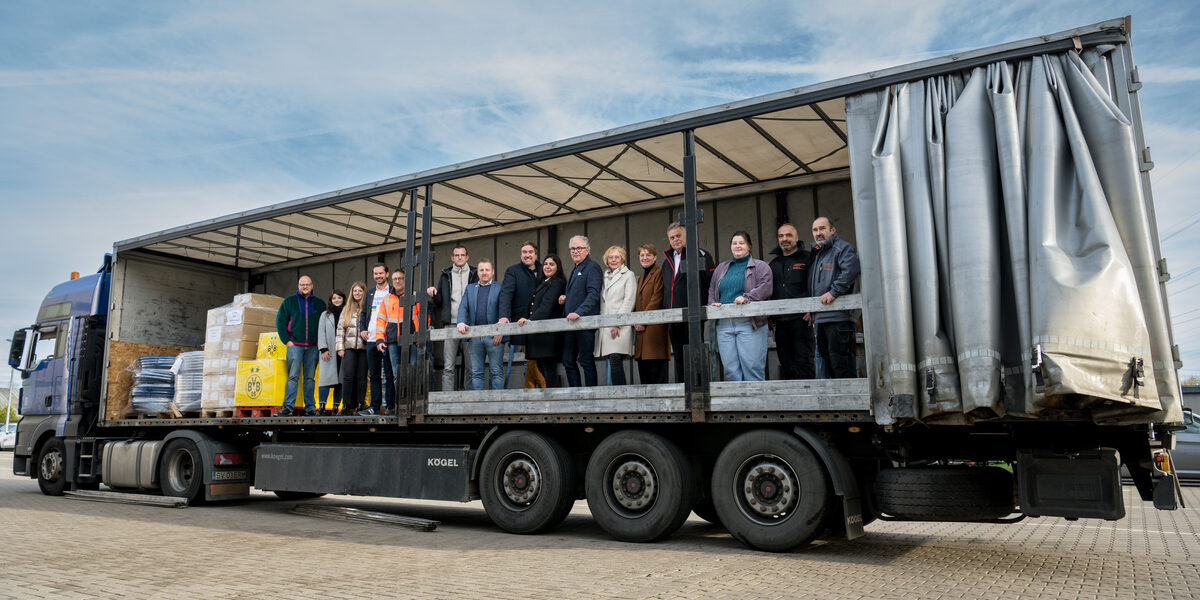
[(582, 299), (480, 305)]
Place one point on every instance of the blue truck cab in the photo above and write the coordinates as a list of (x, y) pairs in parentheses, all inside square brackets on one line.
[(59, 358)]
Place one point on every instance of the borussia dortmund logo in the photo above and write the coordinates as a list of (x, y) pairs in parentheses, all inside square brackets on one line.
[(254, 386)]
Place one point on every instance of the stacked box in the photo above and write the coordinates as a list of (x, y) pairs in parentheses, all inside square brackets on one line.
[(262, 382), (231, 335), (270, 346)]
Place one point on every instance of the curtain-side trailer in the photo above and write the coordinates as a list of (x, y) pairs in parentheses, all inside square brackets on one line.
[(1014, 353)]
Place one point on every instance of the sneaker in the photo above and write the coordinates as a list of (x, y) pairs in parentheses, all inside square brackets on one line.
[(347, 412), (312, 412), (367, 412), (284, 412)]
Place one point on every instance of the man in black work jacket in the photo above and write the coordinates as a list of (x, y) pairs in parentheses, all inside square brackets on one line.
[(675, 295), (445, 297), (793, 335)]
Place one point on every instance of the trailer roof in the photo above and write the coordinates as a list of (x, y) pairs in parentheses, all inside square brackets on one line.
[(774, 141)]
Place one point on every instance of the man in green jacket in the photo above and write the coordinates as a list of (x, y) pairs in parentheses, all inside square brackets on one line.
[(296, 324)]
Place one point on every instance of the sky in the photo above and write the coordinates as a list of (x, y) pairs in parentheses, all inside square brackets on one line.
[(122, 118)]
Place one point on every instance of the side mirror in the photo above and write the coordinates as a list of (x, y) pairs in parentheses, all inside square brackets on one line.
[(17, 348), (21, 350)]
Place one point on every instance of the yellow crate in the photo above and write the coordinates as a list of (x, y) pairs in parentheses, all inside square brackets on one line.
[(270, 346), (263, 383), (260, 382)]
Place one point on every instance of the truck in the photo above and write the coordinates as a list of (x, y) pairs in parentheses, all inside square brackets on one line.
[(1014, 344)]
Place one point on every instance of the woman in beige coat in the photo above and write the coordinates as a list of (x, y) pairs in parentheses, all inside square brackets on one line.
[(619, 294)]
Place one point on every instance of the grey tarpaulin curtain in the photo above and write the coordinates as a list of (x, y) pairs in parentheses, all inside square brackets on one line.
[(1001, 225)]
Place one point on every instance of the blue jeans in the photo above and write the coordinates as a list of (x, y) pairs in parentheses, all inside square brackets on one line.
[(479, 348), (578, 347), (298, 357), (743, 349)]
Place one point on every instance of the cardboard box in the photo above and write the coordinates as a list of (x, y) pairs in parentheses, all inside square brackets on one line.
[(270, 346), (260, 382), (263, 383)]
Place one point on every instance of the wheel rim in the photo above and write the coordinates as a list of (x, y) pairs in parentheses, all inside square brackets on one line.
[(767, 489), (51, 465), (520, 482), (632, 485), (181, 469)]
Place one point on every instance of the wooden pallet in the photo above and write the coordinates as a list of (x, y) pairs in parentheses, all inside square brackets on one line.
[(223, 413), (244, 412), (188, 414)]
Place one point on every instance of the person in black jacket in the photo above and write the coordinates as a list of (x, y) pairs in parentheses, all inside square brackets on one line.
[(379, 369), (793, 335), (546, 348), (515, 291), (674, 269), (834, 273), (445, 298)]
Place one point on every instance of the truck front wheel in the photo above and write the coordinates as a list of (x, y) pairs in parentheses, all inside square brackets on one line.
[(769, 490), (526, 482), (181, 471), (50, 475), (639, 486)]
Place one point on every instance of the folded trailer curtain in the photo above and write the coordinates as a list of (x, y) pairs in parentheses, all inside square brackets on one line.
[(1010, 268)]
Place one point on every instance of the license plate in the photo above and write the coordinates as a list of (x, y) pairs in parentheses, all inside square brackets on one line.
[(228, 475)]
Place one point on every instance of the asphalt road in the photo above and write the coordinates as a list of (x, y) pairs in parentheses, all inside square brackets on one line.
[(66, 548)]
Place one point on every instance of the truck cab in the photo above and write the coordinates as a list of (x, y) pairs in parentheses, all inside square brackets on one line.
[(59, 358)]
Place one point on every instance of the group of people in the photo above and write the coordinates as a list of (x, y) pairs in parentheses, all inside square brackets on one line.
[(355, 338)]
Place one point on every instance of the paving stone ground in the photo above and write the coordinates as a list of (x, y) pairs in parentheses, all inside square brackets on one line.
[(64, 548)]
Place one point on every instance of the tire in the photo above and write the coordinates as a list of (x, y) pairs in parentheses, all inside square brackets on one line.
[(286, 495), (181, 471), (770, 491), (945, 493), (639, 486), (51, 464), (526, 482)]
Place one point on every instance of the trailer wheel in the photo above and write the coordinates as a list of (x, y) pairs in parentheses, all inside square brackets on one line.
[(945, 493), (639, 486), (50, 474), (181, 471), (770, 490), (526, 482)]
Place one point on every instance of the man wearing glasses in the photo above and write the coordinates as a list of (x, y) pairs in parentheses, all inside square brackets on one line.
[(581, 299)]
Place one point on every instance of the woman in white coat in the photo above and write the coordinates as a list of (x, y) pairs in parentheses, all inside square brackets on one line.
[(619, 295), (328, 368)]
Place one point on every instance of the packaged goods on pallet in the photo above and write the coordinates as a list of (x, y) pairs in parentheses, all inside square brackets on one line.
[(232, 334), (189, 382), (153, 384)]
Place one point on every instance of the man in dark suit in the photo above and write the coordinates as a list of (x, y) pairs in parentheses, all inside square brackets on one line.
[(581, 299), (674, 269), (516, 290)]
